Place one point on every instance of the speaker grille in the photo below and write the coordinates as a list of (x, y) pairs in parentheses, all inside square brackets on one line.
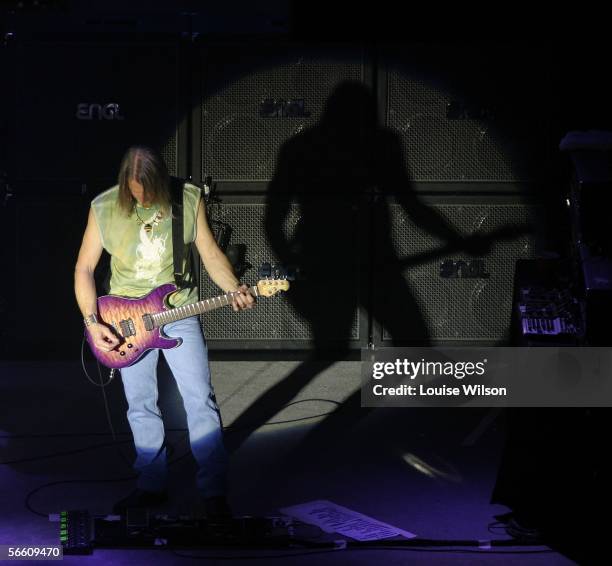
[(438, 149), (458, 308), (238, 143), (274, 318), (467, 113), (169, 154)]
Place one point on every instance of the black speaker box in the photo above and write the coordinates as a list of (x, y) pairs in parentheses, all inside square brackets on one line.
[(256, 96), (324, 305), (41, 319), (424, 291), (79, 105), (469, 111)]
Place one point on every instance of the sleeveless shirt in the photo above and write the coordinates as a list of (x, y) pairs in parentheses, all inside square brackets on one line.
[(141, 260)]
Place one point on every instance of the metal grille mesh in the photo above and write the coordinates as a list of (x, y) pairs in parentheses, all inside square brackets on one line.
[(168, 153), (239, 144), (439, 149), (464, 309), (274, 318)]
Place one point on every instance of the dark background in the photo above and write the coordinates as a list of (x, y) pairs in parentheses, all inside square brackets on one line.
[(186, 57)]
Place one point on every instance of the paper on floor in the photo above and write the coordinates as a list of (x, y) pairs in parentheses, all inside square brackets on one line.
[(333, 518)]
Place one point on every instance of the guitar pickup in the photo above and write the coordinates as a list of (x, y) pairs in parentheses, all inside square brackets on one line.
[(127, 328), (148, 321)]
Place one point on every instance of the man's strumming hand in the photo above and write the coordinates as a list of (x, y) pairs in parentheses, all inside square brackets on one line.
[(102, 337)]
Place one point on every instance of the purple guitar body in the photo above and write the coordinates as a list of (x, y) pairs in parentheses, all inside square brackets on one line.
[(137, 323)]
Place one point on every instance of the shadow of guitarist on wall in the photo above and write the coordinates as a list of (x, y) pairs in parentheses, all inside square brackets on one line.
[(331, 171)]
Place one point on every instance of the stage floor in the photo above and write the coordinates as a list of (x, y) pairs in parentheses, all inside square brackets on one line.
[(429, 471)]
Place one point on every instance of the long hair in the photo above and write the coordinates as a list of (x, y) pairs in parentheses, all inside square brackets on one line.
[(146, 166)]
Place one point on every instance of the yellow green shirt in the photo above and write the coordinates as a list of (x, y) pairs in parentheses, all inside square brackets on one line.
[(142, 261)]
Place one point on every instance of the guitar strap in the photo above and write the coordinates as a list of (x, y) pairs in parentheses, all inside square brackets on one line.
[(176, 189)]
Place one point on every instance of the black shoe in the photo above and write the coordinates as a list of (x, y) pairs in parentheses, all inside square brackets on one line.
[(140, 498)]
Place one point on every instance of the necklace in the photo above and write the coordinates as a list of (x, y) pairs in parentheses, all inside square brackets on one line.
[(148, 226)]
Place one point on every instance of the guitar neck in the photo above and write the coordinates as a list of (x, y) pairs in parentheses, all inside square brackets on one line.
[(194, 309)]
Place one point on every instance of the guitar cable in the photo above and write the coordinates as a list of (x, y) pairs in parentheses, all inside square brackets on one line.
[(110, 377), (102, 387), (109, 419)]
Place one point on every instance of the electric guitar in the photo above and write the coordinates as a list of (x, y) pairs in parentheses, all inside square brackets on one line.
[(138, 323)]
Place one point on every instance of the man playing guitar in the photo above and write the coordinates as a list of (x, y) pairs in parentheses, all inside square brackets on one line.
[(133, 222)]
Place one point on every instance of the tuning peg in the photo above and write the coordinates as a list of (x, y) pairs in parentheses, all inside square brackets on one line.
[(265, 271), (280, 272), (292, 272)]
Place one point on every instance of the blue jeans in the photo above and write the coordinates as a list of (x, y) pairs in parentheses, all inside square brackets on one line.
[(189, 365)]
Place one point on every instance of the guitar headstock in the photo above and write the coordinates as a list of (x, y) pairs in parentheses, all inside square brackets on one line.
[(269, 287)]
